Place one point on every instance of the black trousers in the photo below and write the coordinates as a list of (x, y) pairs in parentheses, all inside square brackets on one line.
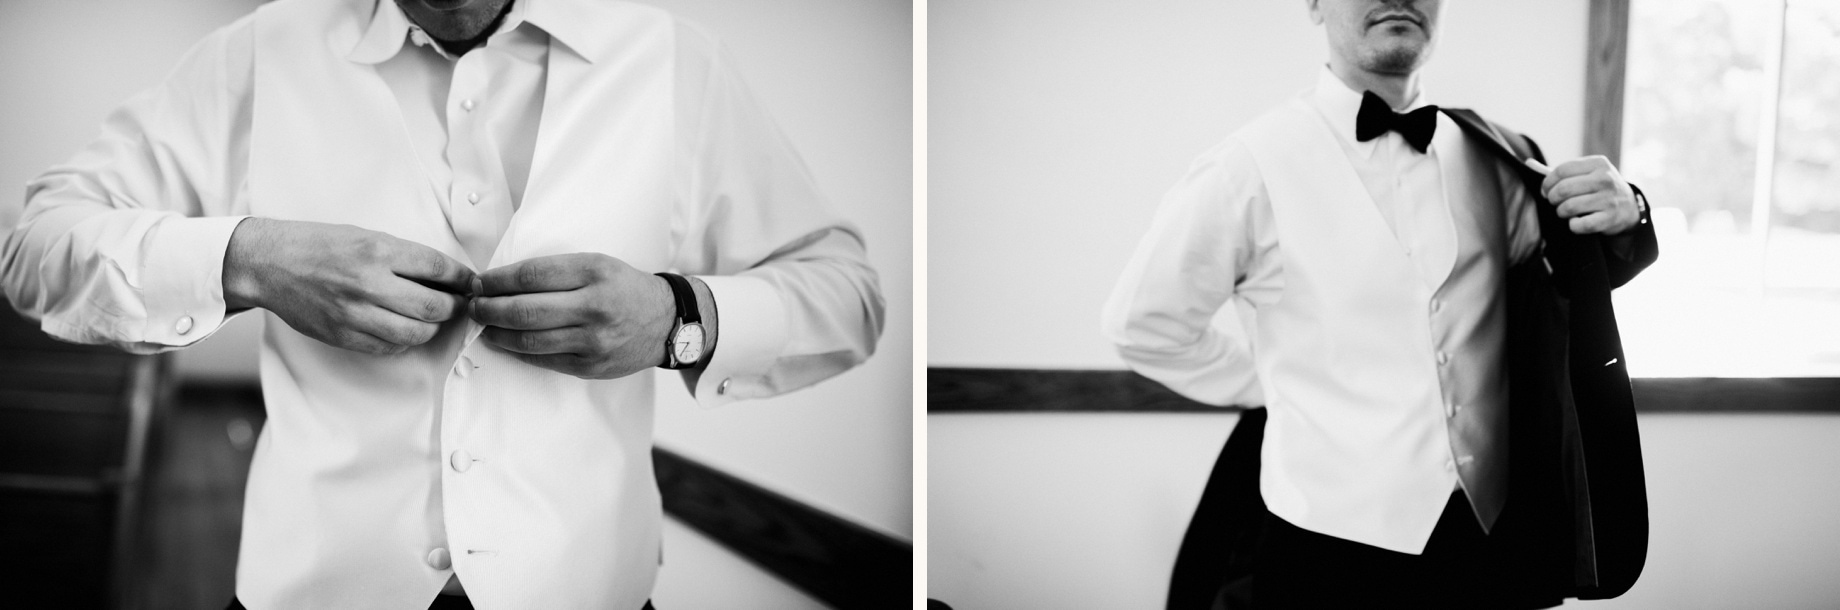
[(1461, 568), (441, 602)]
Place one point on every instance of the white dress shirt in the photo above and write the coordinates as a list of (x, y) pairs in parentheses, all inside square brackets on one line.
[(378, 479), (1215, 241)]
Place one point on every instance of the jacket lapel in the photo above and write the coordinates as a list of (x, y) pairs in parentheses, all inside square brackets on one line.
[(1576, 454)]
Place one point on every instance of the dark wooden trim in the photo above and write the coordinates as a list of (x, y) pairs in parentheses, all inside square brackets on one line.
[(1738, 395), (972, 390), (844, 564), (997, 390), (1606, 58), (56, 484)]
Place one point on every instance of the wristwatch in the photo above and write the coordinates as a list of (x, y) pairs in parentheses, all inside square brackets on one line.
[(683, 346)]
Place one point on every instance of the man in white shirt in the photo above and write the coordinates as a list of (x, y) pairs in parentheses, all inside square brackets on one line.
[(1367, 240), (452, 212)]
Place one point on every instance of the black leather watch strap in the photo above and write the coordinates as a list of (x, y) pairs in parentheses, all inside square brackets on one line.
[(686, 298)]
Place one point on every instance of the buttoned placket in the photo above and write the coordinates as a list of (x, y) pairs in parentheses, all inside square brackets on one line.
[(479, 206), (1405, 218), (1413, 214), (1460, 456)]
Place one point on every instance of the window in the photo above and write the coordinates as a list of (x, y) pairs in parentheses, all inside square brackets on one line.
[(1731, 124)]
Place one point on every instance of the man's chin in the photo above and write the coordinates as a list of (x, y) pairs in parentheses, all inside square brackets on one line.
[(1400, 59)]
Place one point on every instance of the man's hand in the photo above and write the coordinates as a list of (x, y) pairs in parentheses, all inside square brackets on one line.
[(347, 287), (1592, 195), (588, 315)]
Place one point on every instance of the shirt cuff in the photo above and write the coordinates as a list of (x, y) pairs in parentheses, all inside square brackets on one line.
[(183, 279), (751, 333)]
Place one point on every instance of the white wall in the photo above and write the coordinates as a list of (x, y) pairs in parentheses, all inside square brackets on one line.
[(1055, 127), (1062, 511), (835, 73)]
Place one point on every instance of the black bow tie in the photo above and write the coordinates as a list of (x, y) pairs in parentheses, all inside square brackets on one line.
[(1376, 118)]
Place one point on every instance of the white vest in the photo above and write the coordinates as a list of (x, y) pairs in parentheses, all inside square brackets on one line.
[(351, 487), (1359, 443)]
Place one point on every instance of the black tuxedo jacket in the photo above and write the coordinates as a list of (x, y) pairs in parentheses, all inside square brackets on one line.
[(1575, 459)]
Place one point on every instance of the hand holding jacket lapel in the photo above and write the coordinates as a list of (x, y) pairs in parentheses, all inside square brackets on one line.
[(1574, 427)]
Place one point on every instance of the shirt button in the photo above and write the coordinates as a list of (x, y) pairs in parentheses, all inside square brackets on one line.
[(723, 388), (439, 560), (1453, 410), (460, 460), (472, 197), (1449, 464), (1443, 358), (1436, 305), (467, 105), (184, 325)]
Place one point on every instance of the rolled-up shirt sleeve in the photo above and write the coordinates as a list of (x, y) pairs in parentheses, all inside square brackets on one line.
[(796, 299), (124, 244), (1211, 243)]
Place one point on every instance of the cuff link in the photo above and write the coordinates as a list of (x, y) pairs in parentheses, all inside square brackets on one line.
[(184, 325)]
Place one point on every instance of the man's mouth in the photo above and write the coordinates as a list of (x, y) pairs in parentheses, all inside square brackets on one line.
[(446, 5), (1390, 17)]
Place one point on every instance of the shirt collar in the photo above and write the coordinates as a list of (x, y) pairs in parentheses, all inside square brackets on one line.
[(1339, 103), (390, 28), (572, 22)]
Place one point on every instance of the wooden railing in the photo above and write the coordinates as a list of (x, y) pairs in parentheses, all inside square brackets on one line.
[(74, 427), (844, 564), (990, 390)]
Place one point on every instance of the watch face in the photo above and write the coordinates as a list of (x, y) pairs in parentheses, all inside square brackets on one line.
[(687, 344)]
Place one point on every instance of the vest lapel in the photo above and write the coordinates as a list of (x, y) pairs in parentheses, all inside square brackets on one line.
[(1339, 176)]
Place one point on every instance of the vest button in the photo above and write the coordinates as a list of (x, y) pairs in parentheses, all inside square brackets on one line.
[(1443, 358), (439, 560)]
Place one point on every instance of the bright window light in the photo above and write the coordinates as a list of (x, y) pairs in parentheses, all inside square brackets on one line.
[(1731, 125)]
